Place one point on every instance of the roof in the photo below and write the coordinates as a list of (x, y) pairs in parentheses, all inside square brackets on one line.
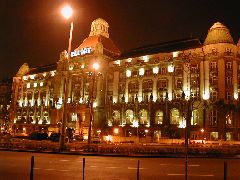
[(41, 69), (218, 33), (107, 43), (171, 46)]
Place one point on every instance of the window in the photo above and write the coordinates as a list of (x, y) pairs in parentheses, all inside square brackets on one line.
[(28, 85), (228, 95), (229, 136), (213, 65), (159, 117), (228, 65), (229, 118), (143, 117), (195, 118), (175, 116), (214, 136), (162, 84), (213, 80), (147, 85), (129, 116), (133, 87), (229, 81), (179, 83), (194, 68), (116, 118), (213, 118), (214, 95), (163, 70)]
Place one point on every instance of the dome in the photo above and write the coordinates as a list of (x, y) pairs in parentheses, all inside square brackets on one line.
[(99, 35), (99, 27), (218, 33)]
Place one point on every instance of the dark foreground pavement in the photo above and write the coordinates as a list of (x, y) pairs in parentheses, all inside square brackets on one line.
[(16, 165)]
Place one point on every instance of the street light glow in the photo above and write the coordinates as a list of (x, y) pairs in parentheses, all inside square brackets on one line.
[(67, 12), (96, 66)]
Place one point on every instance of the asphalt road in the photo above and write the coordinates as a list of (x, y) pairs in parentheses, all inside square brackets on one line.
[(16, 166)]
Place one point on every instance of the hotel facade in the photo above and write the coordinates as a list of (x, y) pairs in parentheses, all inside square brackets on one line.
[(153, 91)]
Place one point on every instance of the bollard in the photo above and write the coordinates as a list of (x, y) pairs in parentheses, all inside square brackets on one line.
[(225, 170), (138, 171), (32, 167), (83, 167)]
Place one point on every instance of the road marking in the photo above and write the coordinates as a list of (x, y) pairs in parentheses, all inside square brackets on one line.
[(203, 175), (175, 174), (64, 170), (135, 168), (50, 169), (93, 166), (112, 167), (64, 160), (190, 165), (36, 168)]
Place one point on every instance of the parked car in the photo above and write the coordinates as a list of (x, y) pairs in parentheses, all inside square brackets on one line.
[(54, 137), (77, 138)]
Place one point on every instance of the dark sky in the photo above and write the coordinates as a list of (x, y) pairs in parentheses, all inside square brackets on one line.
[(33, 31)]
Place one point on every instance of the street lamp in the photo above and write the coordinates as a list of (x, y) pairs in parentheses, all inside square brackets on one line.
[(95, 67), (66, 13), (202, 131)]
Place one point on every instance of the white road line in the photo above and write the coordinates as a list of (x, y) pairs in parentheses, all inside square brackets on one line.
[(112, 167), (64, 160), (175, 174), (202, 175), (36, 168), (93, 166), (64, 170), (190, 165), (135, 168), (50, 169)]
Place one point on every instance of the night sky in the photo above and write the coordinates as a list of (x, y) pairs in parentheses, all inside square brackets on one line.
[(33, 31)]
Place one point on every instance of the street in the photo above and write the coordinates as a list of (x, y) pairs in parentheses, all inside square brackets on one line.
[(16, 166)]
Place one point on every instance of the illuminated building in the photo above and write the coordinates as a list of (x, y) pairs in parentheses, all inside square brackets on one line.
[(5, 100), (139, 90)]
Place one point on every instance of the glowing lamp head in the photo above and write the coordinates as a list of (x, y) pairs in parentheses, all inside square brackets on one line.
[(96, 66), (67, 12)]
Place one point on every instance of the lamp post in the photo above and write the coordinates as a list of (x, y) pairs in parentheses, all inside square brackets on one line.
[(95, 67), (66, 13)]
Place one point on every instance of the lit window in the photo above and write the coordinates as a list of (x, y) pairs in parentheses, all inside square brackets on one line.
[(159, 117), (141, 71), (53, 73), (82, 66), (145, 58), (44, 74), (155, 70), (129, 60), (228, 65), (175, 116), (128, 73), (170, 68), (214, 136), (28, 85), (117, 62), (175, 54), (25, 78), (35, 85), (41, 83), (213, 118), (32, 76)]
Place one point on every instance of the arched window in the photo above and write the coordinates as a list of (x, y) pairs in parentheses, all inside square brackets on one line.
[(143, 117), (159, 117), (213, 117), (175, 116), (195, 117), (129, 116), (116, 117), (229, 118)]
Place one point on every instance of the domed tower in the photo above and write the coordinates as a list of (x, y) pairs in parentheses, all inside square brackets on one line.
[(99, 27), (99, 40), (218, 33), (219, 76)]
